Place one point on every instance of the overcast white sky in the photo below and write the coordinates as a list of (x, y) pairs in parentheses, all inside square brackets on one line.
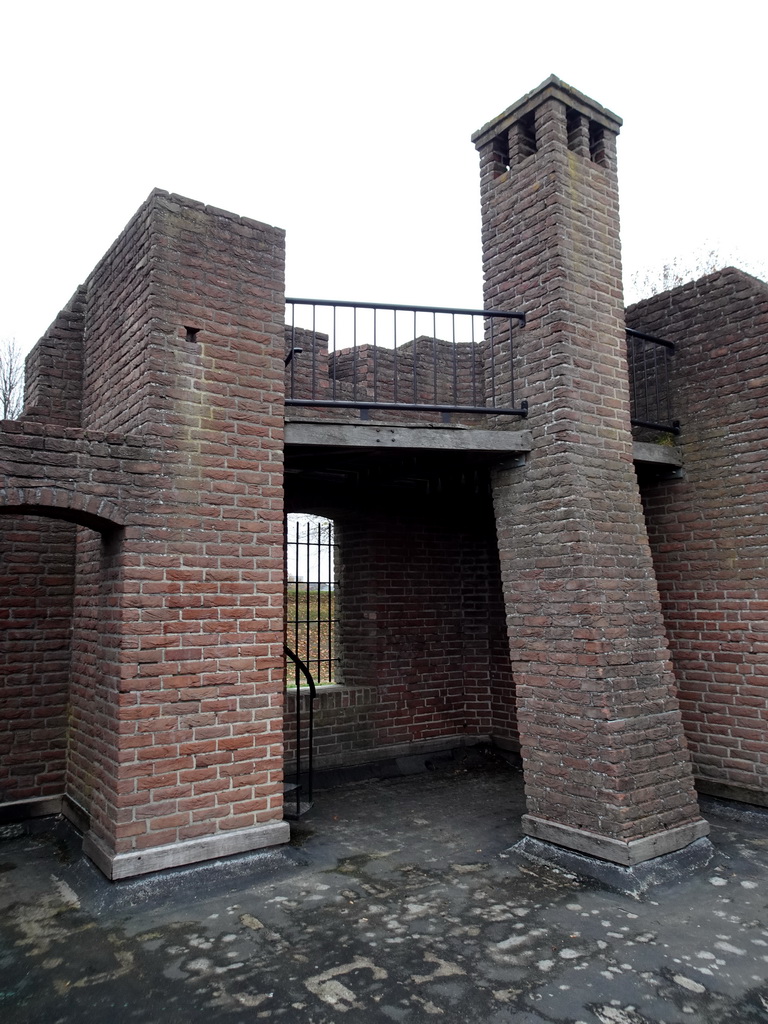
[(348, 124)]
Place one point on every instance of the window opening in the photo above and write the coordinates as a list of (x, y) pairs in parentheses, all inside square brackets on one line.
[(311, 606)]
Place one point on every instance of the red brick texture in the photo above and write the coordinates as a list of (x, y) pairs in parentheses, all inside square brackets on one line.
[(600, 727), (36, 587), (709, 529), (176, 672), (54, 369)]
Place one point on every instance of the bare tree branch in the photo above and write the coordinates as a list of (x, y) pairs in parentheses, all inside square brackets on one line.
[(11, 380), (680, 270)]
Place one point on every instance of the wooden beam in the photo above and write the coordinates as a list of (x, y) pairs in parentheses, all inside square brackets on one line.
[(367, 435)]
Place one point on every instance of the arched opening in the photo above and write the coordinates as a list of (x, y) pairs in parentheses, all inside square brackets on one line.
[(37, 578), (58, 656)]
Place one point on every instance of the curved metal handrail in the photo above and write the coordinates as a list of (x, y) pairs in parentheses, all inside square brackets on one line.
[(302, 668)]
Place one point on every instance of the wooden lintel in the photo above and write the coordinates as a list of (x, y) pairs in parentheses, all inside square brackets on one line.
[(368, 435), (661, 454)]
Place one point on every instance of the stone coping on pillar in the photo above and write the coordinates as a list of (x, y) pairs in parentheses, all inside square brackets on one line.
[(617, 851), (188, 851), (552, 86)]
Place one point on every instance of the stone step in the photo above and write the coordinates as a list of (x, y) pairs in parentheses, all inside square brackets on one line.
[(290, 811)]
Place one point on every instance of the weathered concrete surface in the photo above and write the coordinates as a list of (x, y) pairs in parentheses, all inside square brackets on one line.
[(397, 901)]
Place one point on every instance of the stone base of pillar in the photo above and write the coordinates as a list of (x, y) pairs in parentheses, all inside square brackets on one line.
[(191, 851), (630, 880), (616, 851)]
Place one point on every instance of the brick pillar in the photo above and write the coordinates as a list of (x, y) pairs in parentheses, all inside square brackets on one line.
[(176, 733), (606, 766)]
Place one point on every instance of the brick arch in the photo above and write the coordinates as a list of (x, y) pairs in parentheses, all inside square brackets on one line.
[(60, 503)]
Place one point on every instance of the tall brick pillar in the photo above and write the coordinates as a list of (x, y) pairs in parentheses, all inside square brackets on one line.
[(175, 739), (606, 766)]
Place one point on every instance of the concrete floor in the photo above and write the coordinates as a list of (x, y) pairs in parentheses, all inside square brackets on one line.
[(397, 901)]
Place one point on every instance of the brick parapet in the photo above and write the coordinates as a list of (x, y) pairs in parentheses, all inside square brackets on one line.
[(54, 369)]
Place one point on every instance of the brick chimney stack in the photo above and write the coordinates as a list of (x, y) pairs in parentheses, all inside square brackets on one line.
[(606, 765)]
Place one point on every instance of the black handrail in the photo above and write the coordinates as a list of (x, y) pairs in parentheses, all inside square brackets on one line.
[(649, 382), (302, 669), (651, 337), (370, 374), (405, 309)]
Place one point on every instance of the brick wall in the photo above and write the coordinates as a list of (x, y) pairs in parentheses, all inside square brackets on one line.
[(176, 702), (709, 529), (36, 582), (120, 379), (53, 378)]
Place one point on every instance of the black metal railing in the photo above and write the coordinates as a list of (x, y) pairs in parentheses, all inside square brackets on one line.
[(311, 613), (300, 793), (361, 355), (650, 362), (310, 640)]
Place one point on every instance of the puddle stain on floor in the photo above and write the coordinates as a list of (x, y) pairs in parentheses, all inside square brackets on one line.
[(394, 929)]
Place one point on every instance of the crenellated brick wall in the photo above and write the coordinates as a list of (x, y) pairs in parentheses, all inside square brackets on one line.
[(54, 369)]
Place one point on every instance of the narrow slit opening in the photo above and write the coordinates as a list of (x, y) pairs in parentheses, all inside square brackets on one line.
[(501, 153), (526, 136), (597, 143), (573, 127)]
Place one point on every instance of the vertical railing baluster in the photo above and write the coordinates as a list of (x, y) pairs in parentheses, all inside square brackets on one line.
[(375, 359), (475, 400), (332, 341), (331, 601), (493, 367), (313, 390), (292, 388), (435, 396), (455, 360), (354, 352), (511, 328), (667, 402), (297, 679), (394, 360), (415, 360), (318, 603)]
